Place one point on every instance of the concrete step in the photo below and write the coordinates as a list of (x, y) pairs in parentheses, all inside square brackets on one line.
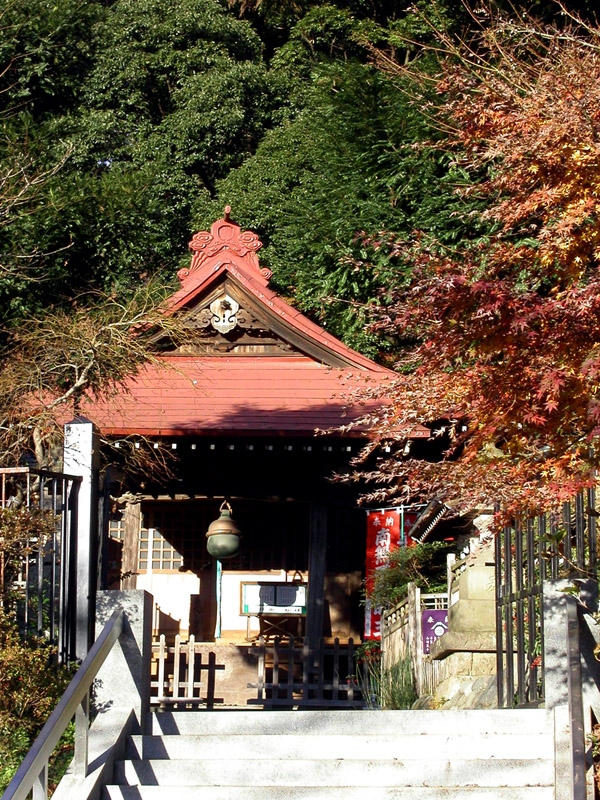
[(340, 755), (317, 723), (341, 746), (429, 772), (320, 793)]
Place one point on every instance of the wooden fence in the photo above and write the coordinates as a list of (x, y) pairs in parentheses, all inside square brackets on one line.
[(402, 636), (454, 570), (291, 674), (179, 670)]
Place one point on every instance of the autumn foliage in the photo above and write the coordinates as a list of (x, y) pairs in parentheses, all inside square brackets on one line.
[(507, 326)]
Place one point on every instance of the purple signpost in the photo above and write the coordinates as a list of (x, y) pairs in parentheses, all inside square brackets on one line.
[(434, 623)]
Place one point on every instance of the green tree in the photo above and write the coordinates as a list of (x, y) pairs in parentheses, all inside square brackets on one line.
[(167, 99), (423, 564), (45, 49), (354, 158)]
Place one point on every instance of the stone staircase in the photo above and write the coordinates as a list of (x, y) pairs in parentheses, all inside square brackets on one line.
[(371, 755)]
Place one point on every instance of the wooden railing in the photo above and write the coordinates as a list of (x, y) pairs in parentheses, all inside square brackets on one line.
[(454, 569), (179, 672), (292, 674), (402, 635)]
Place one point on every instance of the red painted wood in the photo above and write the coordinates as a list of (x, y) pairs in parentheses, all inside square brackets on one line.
[(228, 249)]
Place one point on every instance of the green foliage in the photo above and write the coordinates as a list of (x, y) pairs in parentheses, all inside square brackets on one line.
[(158, 108), (181, 83), (161, 106), (172, 97), (45, 48), (392, 688), (423, 564), (30, 687), (354, 158), (349, 160)]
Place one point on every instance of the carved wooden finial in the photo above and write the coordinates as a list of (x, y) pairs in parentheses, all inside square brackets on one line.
[(225, 235)]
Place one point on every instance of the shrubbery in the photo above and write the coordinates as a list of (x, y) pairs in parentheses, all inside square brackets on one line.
[(30, 687), (392, 688), (423, 564)]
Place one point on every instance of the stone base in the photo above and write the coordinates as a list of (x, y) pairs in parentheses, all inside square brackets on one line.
[(472, 616), (468, 692), (454, 642), (466, 678)]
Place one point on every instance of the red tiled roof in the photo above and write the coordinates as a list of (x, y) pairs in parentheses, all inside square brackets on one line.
[(241, 394)]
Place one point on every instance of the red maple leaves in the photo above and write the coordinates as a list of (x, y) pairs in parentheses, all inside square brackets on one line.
[(507, 328)]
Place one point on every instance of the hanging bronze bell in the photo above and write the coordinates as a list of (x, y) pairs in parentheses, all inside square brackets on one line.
[(223, 535)]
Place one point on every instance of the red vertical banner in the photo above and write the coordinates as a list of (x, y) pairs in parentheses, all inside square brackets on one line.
[(387, 529)]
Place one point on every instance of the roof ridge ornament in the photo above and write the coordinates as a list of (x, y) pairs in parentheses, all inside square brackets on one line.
[(225, 235)]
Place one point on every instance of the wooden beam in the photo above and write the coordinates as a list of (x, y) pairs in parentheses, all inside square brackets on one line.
[(132, 515)]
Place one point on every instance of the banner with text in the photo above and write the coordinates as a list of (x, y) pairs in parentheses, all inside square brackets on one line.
[(387, 529)]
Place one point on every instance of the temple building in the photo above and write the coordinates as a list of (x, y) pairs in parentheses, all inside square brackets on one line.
[(238, 403)]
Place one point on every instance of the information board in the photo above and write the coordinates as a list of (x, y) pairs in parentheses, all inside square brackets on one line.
[(273, 598)]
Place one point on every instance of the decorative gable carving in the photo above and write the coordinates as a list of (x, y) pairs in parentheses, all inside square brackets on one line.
[(225, 236), (225, 260), (222, 324), (224, 312)]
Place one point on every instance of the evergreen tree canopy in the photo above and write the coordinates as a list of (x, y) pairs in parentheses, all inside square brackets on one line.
[(127, 125), (173, 96)]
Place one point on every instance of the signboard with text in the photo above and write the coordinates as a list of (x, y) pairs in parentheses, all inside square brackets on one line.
[(273, 598), (434, 623), (387, 529)]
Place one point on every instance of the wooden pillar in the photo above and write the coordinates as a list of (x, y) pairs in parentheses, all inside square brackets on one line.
[(415, 635), (316, 574), (132, 515)]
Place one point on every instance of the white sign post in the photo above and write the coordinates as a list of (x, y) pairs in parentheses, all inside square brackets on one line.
[(81, 451)]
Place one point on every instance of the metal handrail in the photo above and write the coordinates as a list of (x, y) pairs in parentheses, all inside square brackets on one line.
[(33, 772), (42, 473), (575, 702)]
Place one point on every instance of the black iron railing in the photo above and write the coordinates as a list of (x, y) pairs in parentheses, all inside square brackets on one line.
[(42, 586), (552, 545)]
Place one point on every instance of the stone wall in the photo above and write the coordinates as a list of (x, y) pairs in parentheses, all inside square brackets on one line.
[(466, 654), (466, 680), (460, 671)]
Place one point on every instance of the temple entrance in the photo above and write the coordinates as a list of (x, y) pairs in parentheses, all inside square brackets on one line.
[(238, 401), (195, 595), (216, 624)]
